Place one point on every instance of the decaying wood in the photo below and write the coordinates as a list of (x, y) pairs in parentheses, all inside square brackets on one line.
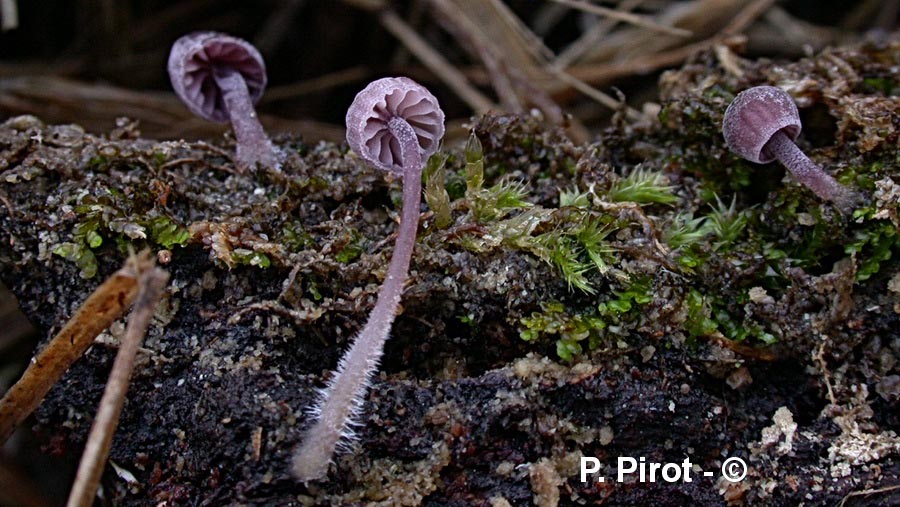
[(106, 304)]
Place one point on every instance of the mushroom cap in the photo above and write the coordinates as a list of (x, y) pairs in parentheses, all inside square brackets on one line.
[(393, 97), (192, 61), (754, 116)]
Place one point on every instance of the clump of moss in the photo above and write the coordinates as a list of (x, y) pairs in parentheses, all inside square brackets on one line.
[(578, 332)]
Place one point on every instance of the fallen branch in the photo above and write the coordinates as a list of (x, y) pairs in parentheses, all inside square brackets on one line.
[(151, 282), (106, 304)]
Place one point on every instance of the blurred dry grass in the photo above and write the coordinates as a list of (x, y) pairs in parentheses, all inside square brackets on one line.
[(91, 61)]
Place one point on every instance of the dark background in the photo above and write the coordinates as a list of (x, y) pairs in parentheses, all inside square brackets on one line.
[(319, 53)]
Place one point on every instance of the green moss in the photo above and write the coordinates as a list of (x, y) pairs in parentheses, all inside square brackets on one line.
[(569, 329), (706, 315), (863, 177), (562, 252), (165, 232), (577, 331), (698, 322), (247, 257), (351, 250), (642, 186), (474, 154), (883, 85), (497, 201), (107, 214), (574, 198), (727, 224), (873, 244), (295, 237), (80, 254)]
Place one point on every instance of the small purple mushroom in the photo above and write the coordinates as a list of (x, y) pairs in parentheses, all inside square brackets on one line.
[(220, 78), (761, 125), (383, 114), (394, 124)]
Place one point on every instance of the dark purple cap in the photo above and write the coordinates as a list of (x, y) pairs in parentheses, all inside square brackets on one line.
[(191, 64), (754, 116), (372, 109)]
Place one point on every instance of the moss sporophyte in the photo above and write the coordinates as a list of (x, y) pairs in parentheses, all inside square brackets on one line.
[(394, 124)]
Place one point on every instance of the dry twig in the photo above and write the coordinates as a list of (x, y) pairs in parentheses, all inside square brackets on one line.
[(316, 85), (106, 304), (592, 36), (418, 46), (625, 17), (432, 59), (727, 36), (151, 284)]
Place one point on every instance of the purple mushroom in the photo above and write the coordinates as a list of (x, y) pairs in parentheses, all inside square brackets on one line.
[(394, 124), (220, 78), (761, 125)]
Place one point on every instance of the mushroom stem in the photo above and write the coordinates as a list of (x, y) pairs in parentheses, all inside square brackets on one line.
[(806, 171), (252, 143), (346, 390)]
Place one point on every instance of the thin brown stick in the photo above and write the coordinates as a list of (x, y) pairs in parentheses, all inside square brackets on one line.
[(58, 100), (434, 61), (592, 36), (456, 17), (728, 36), (597, 74), (761, 354), (101, 308), (532, 43), (151, 282), (625, 17)]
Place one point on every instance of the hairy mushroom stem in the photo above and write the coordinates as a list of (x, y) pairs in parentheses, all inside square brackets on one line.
[(343, 397), (252, 143), (806, 171)]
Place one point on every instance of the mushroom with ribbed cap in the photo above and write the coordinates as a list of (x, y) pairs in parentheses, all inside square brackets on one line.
[(761, 125), (374, 129), (220, 78), (394, 124)]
